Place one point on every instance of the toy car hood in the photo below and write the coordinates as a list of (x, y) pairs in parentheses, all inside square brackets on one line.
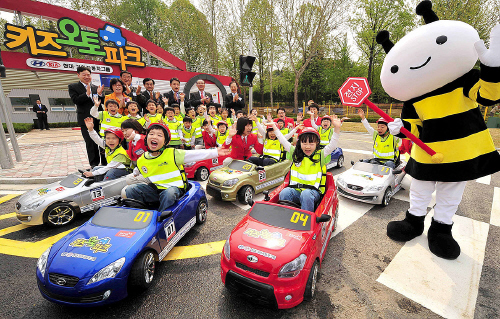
[(90, 248), (362, 178), (47, 192), (223, 174)]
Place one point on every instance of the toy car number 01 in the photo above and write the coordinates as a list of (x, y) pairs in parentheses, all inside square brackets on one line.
[(140, 215), (296, 217)]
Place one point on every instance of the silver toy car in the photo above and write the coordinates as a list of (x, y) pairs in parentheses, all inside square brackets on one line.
[(58, 203), (371, 183)]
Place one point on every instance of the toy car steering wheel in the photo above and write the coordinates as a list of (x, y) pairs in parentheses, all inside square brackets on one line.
[(288, 203), (130, 202)]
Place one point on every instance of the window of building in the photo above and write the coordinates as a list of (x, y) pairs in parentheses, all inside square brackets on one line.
[(21, 104), (56, 108), (59, 101)]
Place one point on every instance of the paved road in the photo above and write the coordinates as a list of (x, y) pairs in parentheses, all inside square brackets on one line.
[(364, 274)]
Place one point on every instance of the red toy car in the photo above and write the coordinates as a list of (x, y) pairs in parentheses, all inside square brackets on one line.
[(202, 169), (273, 254)]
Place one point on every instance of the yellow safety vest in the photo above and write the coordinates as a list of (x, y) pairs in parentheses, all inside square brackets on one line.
[(273, 148), (197, 125), (173, 127), (153, 118), (221, 138), (254, 126), (214, 120), (309, 173), (162, 170), (110, 121), (188, 134), (179, 117), (284, 131), (112, 156), (229, 121), (325, 136), (386, 150)]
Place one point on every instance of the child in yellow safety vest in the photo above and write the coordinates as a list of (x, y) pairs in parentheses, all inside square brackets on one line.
[(175, 128), (178, 113), (197, 125), (116, 156), (133, 112), (325, 130), (109, 118), (225, 117), (152, 116), (163, 168), (214, 118), (308, 170), (220, 133), (188, 133)]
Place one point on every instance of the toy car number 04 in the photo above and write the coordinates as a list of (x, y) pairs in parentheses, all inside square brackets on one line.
[(262, 176), (296, 217), (140, 215)]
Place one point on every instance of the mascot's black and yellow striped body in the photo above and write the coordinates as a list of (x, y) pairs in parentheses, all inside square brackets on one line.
[(450, 122)]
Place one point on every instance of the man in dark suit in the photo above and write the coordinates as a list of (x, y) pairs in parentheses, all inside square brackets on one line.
[(201, 97), (41, 112), (82, 94), (148, 94), (131, 92), (233, 100), (174, 96)]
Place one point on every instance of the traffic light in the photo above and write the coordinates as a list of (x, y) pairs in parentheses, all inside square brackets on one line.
[(246, 74)]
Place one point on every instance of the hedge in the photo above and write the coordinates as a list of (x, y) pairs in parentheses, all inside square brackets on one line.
[(26, 127)]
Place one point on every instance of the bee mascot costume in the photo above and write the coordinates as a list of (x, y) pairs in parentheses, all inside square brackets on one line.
[(431, 70)]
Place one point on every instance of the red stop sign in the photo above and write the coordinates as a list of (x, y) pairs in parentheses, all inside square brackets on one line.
[(354, 91)]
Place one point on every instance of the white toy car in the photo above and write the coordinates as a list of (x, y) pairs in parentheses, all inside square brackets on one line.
[(371, 182)]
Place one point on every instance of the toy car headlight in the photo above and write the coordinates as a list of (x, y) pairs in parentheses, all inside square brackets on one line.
[(35, 205), (374, 188), (227, 249), (189, 164), (42, 261), (110, 271), (341, 182), (293, 268), (230, 182)]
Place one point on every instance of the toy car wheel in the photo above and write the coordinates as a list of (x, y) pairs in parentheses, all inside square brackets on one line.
[(201, 211), (59, 214), (245, 194), (142, 272), (340, 161), (311, 282), (202, 173), (387, 197)]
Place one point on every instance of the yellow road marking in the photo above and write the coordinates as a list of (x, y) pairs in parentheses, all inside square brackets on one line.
[(5, 216), (27, 249), (5, 198), (12, 229), (194, 251)]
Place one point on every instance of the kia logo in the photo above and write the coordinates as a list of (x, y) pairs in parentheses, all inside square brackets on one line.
[(37, 63), (51, 64), (252, 258), (61, 281)]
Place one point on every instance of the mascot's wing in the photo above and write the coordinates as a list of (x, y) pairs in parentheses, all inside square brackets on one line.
[(490, 57)]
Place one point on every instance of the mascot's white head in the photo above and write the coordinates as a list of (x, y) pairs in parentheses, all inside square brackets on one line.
[(427, 58)]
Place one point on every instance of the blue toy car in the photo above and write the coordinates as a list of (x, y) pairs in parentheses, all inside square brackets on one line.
[(116, 250), (336, 159), (112, 34)]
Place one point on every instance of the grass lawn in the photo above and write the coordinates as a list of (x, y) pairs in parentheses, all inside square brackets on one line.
[(358, 127)]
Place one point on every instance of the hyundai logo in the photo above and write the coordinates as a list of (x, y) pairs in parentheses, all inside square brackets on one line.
[(61, 281), (252, 258), (37, 63)]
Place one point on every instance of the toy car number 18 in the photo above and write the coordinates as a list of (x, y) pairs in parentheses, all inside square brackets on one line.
[(262, 176)]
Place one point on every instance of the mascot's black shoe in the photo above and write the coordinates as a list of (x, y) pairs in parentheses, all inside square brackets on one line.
[(406, 229), (441, 242)]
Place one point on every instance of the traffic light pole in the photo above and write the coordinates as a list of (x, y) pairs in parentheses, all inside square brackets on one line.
[(250, 91)]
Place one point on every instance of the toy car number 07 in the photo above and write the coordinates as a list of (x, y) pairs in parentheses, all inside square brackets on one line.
[(140, 215), (299, 216)]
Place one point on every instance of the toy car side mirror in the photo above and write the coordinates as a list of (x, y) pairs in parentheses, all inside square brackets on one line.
[(266, 196), (323, 218), (352, 162), (89, 182), (397, 171), (164, 215)]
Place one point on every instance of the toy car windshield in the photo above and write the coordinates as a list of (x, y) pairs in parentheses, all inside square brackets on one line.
[(71, 181), (370, 168), (117, 217), (281, 217), (240, 166)]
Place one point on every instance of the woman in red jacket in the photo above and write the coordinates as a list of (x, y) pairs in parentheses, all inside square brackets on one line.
[(241, 139), (134, 135)]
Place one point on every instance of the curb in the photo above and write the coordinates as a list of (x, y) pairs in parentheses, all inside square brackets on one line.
[(31, 180)]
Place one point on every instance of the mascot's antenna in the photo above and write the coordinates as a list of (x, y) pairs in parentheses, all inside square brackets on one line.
[(424, 9)]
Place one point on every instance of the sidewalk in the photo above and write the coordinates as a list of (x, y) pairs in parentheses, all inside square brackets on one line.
[(48, 156)]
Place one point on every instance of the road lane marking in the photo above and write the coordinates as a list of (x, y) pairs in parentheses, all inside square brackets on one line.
[(12, 229), (195, 251), (484, 180), (446, 287), (349, 212), (495, 207), (5, 198), (5, 216), (352, 139), (357, 151)]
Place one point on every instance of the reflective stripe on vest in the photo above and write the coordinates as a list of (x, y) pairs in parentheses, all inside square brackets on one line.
[(272, 148), (309, 173), (387, 149), (325, 136), (110, 156), (162, 170), (110, 121), (173, 127)]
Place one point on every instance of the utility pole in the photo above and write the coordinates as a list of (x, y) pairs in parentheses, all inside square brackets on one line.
[(250, 90), (272, 56)]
